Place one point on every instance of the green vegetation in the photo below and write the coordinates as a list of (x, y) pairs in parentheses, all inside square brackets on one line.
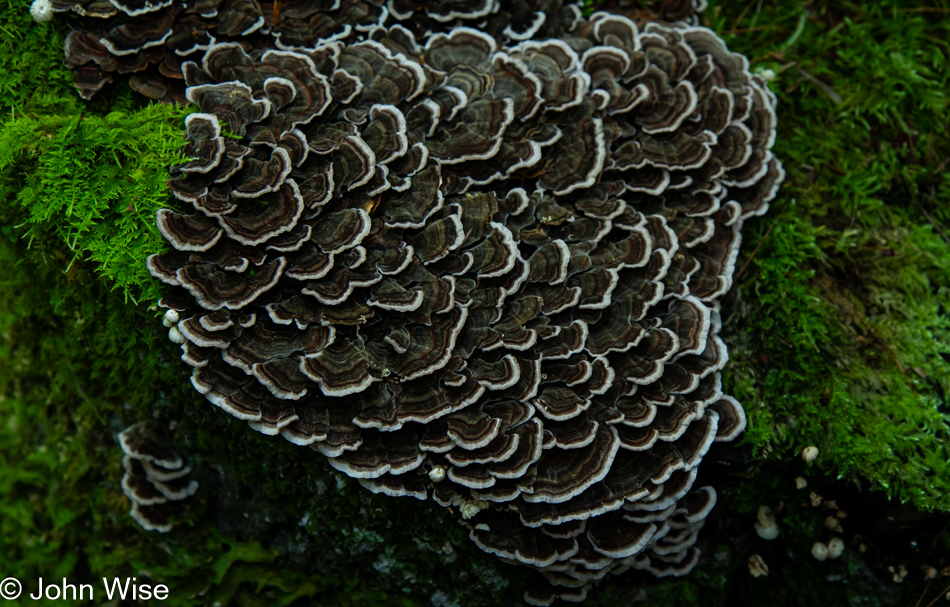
[(94, 183), (837, 326), (90, 176), (837, 329)]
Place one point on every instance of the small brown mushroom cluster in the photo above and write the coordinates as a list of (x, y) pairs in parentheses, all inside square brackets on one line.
[(152, 39), (156, 478), (485, 273)]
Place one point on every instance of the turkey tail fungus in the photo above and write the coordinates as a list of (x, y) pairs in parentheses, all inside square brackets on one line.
[(478, 265)]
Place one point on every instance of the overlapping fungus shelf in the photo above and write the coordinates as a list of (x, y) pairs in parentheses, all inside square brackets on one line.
[(151, 39), (155, 479), (478, 265)]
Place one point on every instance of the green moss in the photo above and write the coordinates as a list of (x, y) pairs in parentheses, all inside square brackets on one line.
[(33, 77), (87, 174), (94, 183), (837, 328)]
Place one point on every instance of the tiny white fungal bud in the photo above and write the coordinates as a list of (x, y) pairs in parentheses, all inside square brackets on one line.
[(819, 551), (757, 566), (41, 11), (765, 524), (175, 336), (833, 523), (810, 454), (767, 75), (437, 474), (900, 575), (767, 533), (171, 318), (800, 482), (835, 547)]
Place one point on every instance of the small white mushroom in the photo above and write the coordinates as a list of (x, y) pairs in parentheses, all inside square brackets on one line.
[(41, 11), (899, 575), (833, 523), (175, 336), (819, 551), (437, 474), (757, 566), (809, 454), (835, 547), (170, 319), (800, 482), (765, 524)]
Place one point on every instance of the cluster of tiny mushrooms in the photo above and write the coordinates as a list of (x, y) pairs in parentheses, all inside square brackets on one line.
[(471, 251), (767, 527)]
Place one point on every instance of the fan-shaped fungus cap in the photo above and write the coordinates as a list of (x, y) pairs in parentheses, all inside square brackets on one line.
[(146, 441)]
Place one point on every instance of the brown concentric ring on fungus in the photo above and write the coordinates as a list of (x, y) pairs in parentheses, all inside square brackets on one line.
[(145, 442), (215, 288), (158, 473), (187, 232), (136, 485)]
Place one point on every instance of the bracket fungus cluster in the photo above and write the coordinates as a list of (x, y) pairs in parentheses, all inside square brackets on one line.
[(478, 265), (152, 39), (156, 478)]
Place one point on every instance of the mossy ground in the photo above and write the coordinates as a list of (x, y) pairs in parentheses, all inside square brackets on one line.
[(837, 328)]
